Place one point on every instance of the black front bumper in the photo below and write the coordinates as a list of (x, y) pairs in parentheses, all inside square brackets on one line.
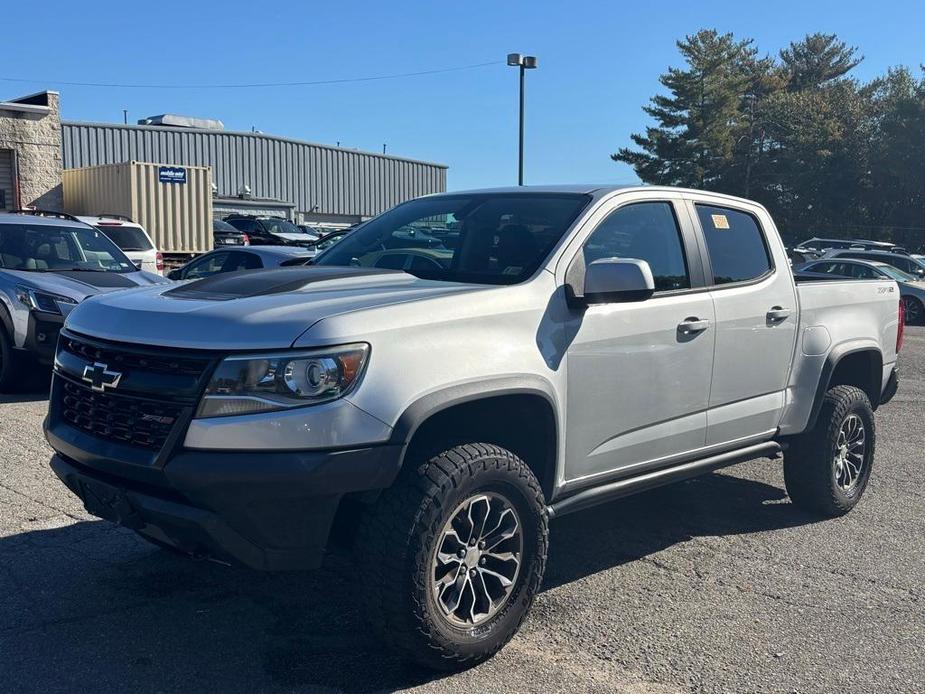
[(266, 510), (42, 335)]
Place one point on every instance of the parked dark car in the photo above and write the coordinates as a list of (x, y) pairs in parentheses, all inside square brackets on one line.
[(233, 259), (223, 234), (270, 231)]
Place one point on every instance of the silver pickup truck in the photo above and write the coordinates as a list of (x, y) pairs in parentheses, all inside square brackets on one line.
[(457, 372)]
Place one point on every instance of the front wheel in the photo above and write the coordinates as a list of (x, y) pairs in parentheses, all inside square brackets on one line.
[(827, 469), (452, 555)]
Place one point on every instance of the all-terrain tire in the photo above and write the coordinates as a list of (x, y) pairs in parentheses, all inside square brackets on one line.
[(811, 467), (397, 541)]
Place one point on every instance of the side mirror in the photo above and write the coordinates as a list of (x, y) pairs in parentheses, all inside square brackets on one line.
[(612, 280), (174, 275)]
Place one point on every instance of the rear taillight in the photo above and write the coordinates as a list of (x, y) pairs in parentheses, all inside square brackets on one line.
[(901, 330), (160, 262), (247, 239)]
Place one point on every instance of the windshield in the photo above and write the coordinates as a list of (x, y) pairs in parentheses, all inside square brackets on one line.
[(896, 274), (127, 238), (45, 248), (219, 225), (326, 242), (493, 238)]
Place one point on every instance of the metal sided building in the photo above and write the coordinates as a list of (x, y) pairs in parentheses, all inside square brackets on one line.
[(318, 183)]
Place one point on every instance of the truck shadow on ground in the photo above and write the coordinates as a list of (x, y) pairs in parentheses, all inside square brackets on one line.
[(88, 602)]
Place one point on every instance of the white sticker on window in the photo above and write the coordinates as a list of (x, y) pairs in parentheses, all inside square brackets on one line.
[(720, 221)]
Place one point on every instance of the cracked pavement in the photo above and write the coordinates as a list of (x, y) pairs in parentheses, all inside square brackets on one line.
[(712, 585)]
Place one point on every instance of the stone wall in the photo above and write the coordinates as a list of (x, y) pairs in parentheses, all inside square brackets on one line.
[(36, 140)]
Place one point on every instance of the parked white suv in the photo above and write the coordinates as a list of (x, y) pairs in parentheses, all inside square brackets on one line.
[(131, 238)]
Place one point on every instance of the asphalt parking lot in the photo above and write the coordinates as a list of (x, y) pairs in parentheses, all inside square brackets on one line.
[(713, 585)]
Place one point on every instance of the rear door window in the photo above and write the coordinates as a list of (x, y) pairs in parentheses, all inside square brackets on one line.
[(735, 243), (209, 265), (128, 238), (240, 260)]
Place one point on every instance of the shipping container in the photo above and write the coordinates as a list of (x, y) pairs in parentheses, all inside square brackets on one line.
[(173, 203)]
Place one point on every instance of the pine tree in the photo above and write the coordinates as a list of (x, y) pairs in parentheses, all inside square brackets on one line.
[(695, 139), (816, 60)]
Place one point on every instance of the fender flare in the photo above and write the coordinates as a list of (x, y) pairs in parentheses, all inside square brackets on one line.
[(432, 403), (834, 358)]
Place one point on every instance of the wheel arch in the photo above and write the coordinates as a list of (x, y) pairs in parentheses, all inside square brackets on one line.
[(852, 365), (473, 410)]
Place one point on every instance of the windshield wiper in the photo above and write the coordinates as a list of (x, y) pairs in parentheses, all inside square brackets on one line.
[(82, 269)]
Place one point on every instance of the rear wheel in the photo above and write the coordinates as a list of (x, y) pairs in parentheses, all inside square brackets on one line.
[(452, 555), (827, 469), (915, 312)]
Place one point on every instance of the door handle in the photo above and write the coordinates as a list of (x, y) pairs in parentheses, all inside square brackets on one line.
[(689, 326), (777, 314)]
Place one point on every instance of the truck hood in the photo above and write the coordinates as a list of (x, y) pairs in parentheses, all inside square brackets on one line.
[(80, 285), (292, 236), (248, 310)]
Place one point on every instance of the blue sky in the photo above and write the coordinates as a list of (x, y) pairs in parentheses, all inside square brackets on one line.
[(599, 63)]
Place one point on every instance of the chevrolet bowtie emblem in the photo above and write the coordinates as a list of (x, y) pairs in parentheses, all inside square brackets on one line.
[(100, 377)]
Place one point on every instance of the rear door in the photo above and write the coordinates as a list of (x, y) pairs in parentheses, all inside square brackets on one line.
[(754, 300)]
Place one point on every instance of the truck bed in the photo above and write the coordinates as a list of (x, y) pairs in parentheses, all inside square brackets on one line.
[(837, 316)]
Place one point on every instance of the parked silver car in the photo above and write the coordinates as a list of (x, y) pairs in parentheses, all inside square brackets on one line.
[(233, 259), (901, 261), (49, 263), (911, 289)]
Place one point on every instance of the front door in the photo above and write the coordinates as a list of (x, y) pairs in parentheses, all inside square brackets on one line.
[(639, 373)]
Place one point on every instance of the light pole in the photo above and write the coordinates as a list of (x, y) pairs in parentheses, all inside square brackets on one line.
[(524, 62)]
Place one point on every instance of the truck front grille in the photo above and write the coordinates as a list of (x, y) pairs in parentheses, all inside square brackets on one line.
[(133, 421), (154, 361)]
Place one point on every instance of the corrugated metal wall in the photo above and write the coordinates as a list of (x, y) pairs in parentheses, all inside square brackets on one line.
[(326, 180)]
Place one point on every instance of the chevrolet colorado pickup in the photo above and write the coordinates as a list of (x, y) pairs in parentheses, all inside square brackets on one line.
[(434, 405)]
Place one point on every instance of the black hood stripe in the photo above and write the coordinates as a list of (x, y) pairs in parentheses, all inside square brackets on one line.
[(248, 283), (102, 280)]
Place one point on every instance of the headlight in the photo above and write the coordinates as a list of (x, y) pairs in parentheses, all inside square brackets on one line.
[(277, 381), (42, 301)]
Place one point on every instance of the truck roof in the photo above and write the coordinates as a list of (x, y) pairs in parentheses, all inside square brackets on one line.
[(598, 189)]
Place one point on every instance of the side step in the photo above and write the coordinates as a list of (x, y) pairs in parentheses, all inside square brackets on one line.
[(631, 485)]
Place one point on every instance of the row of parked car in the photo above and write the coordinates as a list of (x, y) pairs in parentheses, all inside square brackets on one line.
[(821, 258), (50, 262)]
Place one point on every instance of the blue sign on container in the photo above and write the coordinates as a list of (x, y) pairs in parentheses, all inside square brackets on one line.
[(171, 174)]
